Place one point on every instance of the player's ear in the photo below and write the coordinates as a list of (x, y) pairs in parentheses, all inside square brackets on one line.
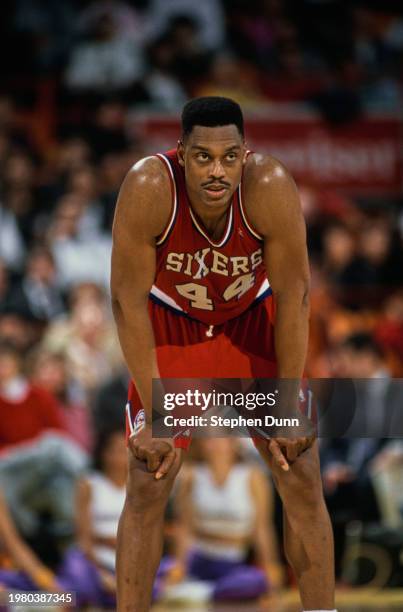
[(180, 151), (245, 153)]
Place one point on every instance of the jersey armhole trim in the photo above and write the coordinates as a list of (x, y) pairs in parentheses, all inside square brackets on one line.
[(247, 224), (174, 208)]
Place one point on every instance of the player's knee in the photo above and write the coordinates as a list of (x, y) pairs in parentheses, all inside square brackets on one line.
[(301, 490), (144, 493)]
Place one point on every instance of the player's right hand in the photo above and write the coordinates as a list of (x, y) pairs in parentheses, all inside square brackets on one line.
[(157, 453)]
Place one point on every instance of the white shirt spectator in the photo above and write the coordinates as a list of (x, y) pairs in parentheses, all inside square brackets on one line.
[(12, 249), (103, 65), (80, 261)]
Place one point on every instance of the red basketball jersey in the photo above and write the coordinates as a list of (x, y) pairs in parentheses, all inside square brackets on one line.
[(208, 280)]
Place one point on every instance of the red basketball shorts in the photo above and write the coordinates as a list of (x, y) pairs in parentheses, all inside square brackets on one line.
[(240, 348)]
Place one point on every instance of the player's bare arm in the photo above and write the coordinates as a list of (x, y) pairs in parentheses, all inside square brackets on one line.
[(273, 206), (142, 212)]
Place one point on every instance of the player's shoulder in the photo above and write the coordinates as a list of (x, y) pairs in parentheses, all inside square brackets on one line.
[(148, 173), (263, 169), (270, 196), (145, 198)]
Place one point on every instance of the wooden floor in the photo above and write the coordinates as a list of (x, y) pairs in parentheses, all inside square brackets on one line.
[(347, 601), (357, 600)]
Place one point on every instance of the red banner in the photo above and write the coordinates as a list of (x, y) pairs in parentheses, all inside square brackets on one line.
[(364, 157)]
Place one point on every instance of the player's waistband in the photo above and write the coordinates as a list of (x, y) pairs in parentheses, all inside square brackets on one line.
[(162, 299)]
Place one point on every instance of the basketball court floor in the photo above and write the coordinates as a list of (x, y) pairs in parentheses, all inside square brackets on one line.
[(357, 600)]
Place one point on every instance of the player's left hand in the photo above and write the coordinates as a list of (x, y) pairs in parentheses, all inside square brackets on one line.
[(286, 450), (293, 447)]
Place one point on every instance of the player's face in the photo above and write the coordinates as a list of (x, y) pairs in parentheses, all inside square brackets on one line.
[(213, 158)]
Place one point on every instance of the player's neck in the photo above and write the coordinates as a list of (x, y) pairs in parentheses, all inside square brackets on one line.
[(212, 218)]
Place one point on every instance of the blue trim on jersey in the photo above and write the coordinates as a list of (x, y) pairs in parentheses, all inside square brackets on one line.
[(181, 313)]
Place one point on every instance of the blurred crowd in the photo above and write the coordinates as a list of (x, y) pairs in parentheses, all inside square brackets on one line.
[(77, 71), (158, 52)]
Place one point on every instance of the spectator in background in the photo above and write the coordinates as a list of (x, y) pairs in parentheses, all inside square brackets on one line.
[(378, 267), (108, 405), (338, 253), (19, 193), (83, 183), (190, 60), (208, 15), (112, 170), (250, 30), (128, 21), (105, 61), (162, 87), (346, 461), (28, 573), (87, 338), (26, 412), (48, 28), (229, 78), (73, 152), (38, 293), (19, 328), (12, 136), (224, 507), (106, 132), (89, 569), (389, 330), (12, 249), (77, 259), (50, 372), (39, 462)]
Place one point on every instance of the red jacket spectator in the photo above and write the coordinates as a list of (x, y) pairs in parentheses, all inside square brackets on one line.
[(27, 417)]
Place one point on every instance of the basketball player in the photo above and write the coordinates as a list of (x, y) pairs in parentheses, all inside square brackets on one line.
[(199, 232)]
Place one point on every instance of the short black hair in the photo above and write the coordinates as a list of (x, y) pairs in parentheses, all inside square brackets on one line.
[(211, 111), (362, 342), (102, 439)]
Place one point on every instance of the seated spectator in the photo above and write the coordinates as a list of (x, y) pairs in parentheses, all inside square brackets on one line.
[(83, 183), (38, 292), (77, 259), (19, 326), (111, 397), (87, 338), (50, 371), (72, 153), (105, 61), (27, 573), (39, 461), (19, 193), (26, 411), (162, 86), (224, 508), (89, 569), (338, 253), (190, 60), (106, 131), (376, 267), (346, 461)]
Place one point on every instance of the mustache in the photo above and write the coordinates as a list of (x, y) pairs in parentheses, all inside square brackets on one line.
[(216, 183)]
